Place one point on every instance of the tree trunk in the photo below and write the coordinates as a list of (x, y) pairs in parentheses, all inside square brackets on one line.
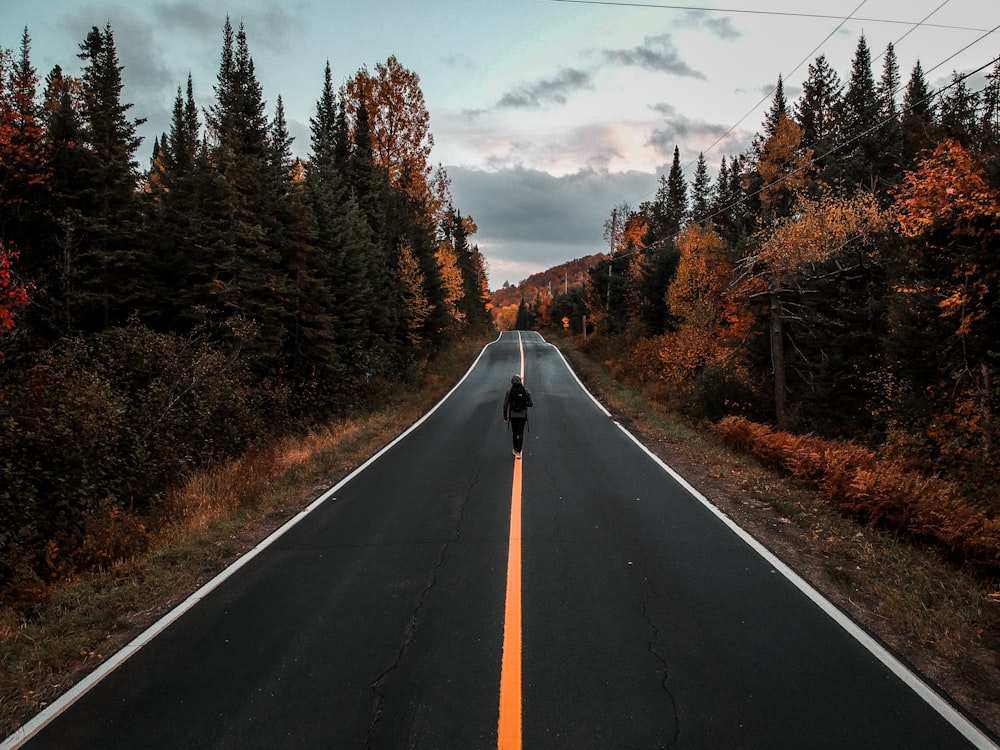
[(778, 359)]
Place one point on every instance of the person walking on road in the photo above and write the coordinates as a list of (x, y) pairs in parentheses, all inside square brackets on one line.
[(515, 411)]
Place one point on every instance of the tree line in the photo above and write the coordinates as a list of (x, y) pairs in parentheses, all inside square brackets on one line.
[(840, 276), (154, 320)]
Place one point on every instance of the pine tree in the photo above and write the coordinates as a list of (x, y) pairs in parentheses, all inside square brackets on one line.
[(918, 126), (669, 209), (889, 133), (241, 268), (701, 192), (989, 123), (51, 265), (779, 109), (178, 222), (959, 114), (854, 165), (816, 110), (112, 265), (323, 127)]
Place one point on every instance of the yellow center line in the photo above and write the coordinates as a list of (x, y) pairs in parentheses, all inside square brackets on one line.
[(509, 728), (509, 736)]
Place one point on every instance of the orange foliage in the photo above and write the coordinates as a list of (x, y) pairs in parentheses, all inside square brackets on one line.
[(817, 231), (949, 193), (877, 491), (712, 322), (783, 166), (949, 188)]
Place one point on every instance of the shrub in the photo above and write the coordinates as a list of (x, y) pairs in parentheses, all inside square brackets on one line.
[(107, 424), (877, 491)]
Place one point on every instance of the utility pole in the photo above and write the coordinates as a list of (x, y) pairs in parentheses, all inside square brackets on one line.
[(611, 257)]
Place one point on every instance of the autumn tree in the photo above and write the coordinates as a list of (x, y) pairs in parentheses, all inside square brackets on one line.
[(793, 253), (710, 322), (398, 124), (13, 293), (390, 129), (785, 169), (949, 212)]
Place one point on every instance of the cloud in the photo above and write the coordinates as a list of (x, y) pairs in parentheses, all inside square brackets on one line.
[(720, 26), (459, 62), (191, 18), (547, 91), (656, 54), (530, 220), (693, 135)]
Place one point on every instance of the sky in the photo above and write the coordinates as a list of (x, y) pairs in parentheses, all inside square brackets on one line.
[(545, 113)]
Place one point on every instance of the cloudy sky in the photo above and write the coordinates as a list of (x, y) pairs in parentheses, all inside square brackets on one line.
[(545, 113)]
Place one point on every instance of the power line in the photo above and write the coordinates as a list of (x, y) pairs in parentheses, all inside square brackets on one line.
[(618, 3), (922, 22), (873, 128), (878, 125), (770, 93)]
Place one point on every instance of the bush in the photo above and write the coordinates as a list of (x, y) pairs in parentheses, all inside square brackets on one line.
[(107, 424), (877, 491)]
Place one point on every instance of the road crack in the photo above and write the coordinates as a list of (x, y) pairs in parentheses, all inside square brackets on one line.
[(665, 682), (410, 634)]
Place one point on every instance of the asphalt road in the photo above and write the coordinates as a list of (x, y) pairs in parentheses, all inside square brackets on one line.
[(377, 619)]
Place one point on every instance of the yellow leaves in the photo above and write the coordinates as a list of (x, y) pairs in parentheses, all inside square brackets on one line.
[(702, 271), (451, 281), (819, 230), (783, 167)]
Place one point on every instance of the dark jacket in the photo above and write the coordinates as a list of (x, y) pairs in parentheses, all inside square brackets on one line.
[(508, 411)]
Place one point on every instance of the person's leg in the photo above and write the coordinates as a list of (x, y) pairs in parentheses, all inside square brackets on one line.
[(517, 428)]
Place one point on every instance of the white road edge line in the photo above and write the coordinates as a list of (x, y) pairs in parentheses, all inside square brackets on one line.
[(954, 717), (67, 699)]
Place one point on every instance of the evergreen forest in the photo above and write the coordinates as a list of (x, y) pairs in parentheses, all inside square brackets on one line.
[(159, 319), (831, 299)]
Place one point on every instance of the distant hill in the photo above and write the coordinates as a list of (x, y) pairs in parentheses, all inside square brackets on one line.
[(572, 273)]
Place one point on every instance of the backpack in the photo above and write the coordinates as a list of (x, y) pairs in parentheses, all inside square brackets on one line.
[(518, 398)]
